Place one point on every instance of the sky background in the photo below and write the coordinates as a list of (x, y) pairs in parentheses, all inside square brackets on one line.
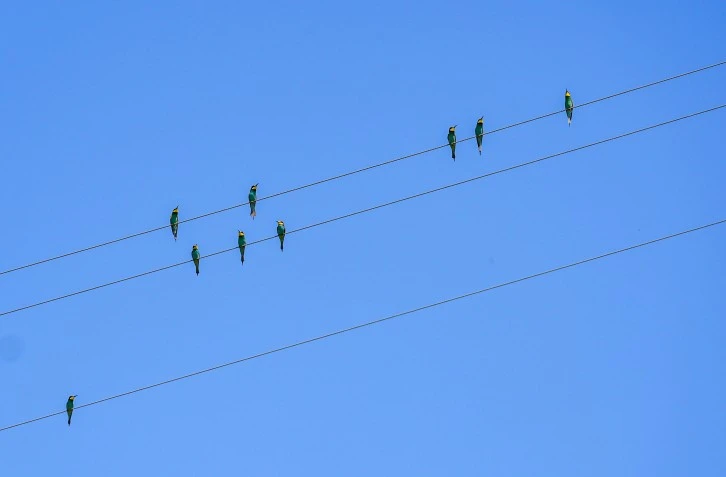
[(115, 112)]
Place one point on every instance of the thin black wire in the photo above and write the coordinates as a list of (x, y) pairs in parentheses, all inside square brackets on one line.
[(357, 171), (369, 209), (378, 321)]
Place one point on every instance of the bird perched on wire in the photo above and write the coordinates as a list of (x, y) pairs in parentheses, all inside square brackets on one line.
[(252, 199), (281, 232), (479, 131), (174, 221), (452, 141), (569, 106), (69, 407), (195, 257)]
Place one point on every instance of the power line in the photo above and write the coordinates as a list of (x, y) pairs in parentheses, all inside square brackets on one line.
[(357, 171), (375, 322), (369, 209)]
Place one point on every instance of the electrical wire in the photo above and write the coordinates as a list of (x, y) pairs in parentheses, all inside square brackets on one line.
[(357, 171), (369, 209), (374, 322)]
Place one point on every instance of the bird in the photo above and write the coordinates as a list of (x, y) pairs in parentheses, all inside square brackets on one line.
[(174, 221), (452, 141), (241, 242), (69, 407), (479, 131), (195, 257), (252, 198), (281, 232), (568, 106)]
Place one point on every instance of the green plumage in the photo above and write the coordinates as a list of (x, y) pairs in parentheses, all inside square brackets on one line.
[(452, 141), (195, 257), (69, 408), (281, 232), (252, 199), (174, 221), (479, 131), (569, 105), (241, 243)]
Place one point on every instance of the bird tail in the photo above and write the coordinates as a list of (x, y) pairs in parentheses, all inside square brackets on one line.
[(480, 149), (197, 269), (69, 420)]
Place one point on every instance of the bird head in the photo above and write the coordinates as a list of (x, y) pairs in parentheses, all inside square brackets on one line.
[(194, 247), (451, 129), (280, 222), (567, 93), (71, 398), (254, 187), (241, 234), (176, 210), (481, 120)]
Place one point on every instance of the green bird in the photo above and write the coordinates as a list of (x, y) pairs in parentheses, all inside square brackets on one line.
[(195, 257), (69, 407), (252, 198), (174, 221), (281, 232), (241, 242), (568, 107), (452, 141), (479, 131)]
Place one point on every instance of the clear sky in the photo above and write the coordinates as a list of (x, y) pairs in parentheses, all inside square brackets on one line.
[(115, 112)]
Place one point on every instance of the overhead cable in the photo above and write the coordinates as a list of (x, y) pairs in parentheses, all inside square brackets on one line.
[(369, 209), (357, 171), (371, 323)]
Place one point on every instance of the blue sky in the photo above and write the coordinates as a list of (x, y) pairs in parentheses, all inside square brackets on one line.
[(114, 113)]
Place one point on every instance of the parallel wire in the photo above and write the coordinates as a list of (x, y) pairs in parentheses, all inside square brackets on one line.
[(358, 171), (374, 322), (369, 209)]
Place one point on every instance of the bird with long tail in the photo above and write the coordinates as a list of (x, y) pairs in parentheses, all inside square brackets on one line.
[(174, 221), (281, 232), (452, 141), (69, 407), (479, 132), (195, 257), (252, 198), (569, 106)]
